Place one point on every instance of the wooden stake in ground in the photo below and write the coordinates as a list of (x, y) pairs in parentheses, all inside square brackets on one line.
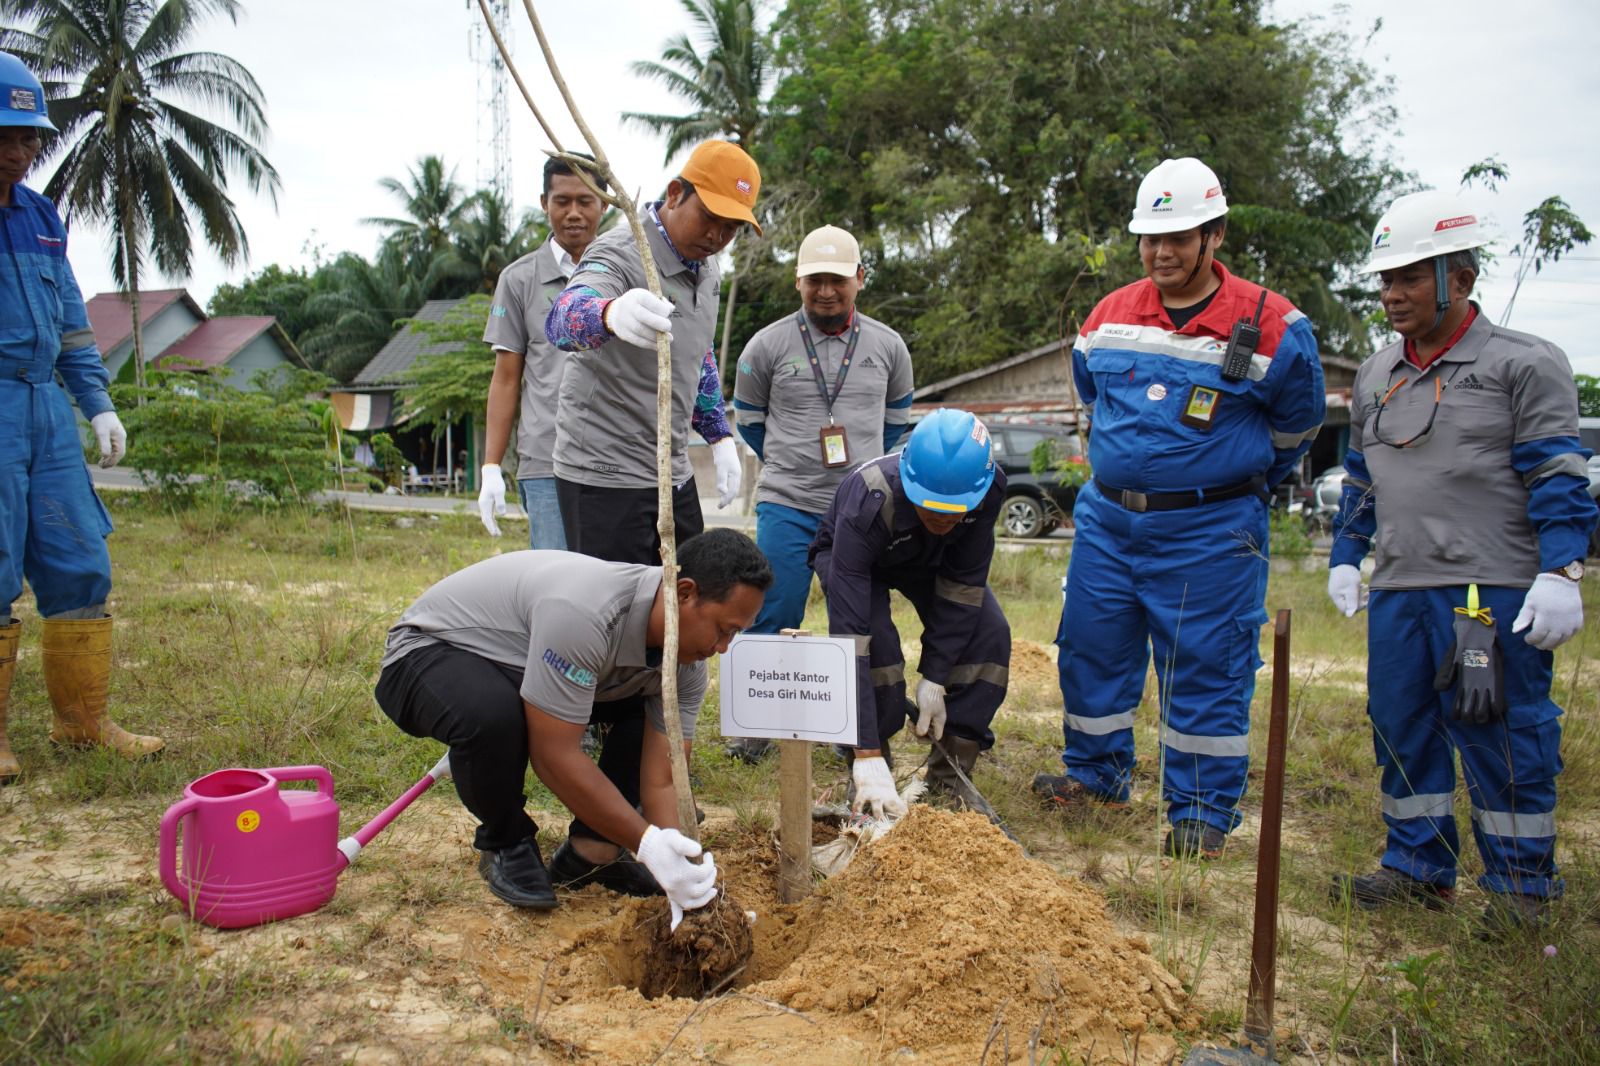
[(1264, 944), (616, 196)]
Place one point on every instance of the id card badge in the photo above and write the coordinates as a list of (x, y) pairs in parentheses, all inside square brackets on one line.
[(1200, 409), (835, 448)]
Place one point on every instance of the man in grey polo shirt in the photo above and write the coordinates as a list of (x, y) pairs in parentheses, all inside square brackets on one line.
[(509, 660), (818, 392), (605, 451), (1465, 466), (526, 363)]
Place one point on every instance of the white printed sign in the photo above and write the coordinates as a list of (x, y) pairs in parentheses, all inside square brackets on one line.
[(789, 688)]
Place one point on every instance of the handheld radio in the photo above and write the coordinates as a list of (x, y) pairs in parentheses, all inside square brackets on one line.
[(1242, 343)]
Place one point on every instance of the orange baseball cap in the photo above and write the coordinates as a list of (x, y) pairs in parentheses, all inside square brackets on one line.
[(726, 178)]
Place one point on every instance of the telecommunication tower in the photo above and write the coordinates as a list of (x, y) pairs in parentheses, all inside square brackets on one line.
[(493, 119)]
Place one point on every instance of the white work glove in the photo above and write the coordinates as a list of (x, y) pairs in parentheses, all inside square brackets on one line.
[(875, 788), (666, 854), (638, 315), (1552, 613), (1345, 590), (725, 454), (492, 497), (930, 709), (111, 437)]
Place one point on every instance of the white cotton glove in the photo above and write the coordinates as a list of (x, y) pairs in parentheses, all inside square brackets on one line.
[(666, 854), (638, 315), (930, 709), (1345, 589), (875, 788), (1552, 613), (492, 497), (725, 454), (111, 437)]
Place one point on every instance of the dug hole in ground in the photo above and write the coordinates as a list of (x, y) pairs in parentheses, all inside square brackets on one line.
[(939, 939)]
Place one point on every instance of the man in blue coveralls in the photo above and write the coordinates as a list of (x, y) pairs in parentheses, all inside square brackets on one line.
[(1465, 467), (920, 523), (52, 526), (1195, 419)]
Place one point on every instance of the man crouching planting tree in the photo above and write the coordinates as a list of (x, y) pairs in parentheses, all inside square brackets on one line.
[(508, 661)]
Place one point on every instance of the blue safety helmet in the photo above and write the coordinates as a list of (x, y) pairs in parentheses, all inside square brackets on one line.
[(948, 464), (21, 95)]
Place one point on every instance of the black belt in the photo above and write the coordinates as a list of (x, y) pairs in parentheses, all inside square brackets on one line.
[(1177, 501)]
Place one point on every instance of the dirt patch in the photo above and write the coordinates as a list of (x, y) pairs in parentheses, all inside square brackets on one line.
[(1033, 663)]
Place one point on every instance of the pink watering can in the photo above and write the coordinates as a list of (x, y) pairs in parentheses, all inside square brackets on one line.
[(255, 853)]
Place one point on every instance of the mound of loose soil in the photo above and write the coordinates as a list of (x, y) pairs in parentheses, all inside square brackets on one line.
[(944, 924), (1033, 663)]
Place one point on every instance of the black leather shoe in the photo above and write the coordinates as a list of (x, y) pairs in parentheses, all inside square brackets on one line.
[(517, 875), (623, 874), (1384, 887)]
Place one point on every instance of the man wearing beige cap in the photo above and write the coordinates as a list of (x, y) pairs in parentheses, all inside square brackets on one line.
[(605, 447), (817, 393)]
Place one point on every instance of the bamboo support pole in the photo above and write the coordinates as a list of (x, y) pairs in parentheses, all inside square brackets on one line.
[(617, 196)]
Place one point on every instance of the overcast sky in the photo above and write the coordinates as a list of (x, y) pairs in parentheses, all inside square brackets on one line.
[(359, 89)]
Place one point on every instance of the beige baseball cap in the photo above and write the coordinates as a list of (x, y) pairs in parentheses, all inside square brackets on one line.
[(829, 250)]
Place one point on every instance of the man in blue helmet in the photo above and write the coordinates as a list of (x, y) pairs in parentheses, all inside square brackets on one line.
[(1204, 391), (1465, 465), (52, 526), (921, 523)]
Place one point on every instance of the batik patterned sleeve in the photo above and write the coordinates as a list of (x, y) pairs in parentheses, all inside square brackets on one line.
[(576, 321), (710, 419)]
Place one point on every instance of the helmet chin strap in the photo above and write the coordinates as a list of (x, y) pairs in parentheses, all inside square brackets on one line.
[(1198, 263), (1441, 293)]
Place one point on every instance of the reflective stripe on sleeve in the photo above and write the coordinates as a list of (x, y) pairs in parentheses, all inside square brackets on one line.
[(957, 592), (1566, 463), (78, 338), (1285, 441), (892, 674), (967, 673)]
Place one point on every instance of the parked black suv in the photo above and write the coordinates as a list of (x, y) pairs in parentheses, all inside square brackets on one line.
[(1035, 503)]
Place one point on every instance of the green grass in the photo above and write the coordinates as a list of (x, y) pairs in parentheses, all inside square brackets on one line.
[(253, 639)]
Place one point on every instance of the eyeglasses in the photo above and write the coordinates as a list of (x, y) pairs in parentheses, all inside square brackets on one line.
[(1418, 439)]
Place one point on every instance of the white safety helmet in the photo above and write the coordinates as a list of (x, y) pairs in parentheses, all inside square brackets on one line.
[(1178, 195), (1419, 226)]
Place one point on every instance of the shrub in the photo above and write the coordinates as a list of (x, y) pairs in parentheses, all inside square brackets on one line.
[(194, 435)]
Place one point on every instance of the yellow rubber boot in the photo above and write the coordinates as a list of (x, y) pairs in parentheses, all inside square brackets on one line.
[(77, 672), (9, 636)]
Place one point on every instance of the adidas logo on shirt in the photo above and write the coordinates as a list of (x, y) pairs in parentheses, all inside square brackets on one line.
[(1470, 382)]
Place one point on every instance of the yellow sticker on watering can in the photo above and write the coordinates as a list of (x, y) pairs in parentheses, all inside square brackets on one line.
[(247, 821)]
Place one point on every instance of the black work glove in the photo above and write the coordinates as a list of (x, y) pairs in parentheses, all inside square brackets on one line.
[(1474, 664)]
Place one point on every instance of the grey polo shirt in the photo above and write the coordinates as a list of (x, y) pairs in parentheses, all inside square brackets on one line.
[(775, 374), (522, 299), (1451, 509), (574, 625), (606, 423)]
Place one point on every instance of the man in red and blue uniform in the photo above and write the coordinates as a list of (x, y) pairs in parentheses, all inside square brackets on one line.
[(1170, 553)]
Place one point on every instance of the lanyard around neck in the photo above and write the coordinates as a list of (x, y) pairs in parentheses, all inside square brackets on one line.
[(816, 364)]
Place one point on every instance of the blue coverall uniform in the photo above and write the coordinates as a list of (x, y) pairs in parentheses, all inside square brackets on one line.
[(1489, 489), (871, 541), (1189, 582), (53, 527)]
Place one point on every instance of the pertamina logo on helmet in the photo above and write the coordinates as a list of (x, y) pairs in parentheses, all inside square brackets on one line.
[(1163, 202), (1383, 238), (1452, 223)]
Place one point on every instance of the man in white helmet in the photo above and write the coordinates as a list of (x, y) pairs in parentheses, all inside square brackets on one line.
[(1465, 465), (53, 527), (1204, 391), (818, 392)]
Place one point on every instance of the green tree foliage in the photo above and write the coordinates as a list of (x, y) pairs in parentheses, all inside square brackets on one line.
[(283, 294), (193, 436), (131, 155), (986, 152), (447, 384), (358, 306), (1549, 231), (1588, 395), (723, 78), (488, 239)]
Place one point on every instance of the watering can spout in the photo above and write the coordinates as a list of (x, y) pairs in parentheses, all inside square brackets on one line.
[(350, 847)]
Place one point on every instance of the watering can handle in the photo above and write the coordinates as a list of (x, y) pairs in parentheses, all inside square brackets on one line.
[(169, 847), (319, 774)]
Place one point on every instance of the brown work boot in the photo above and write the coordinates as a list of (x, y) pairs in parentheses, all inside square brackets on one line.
[(10, 634), (1069, 794), (76, 653), (942, 779)]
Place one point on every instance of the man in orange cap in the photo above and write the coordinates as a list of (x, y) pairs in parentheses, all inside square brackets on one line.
[(605, 450)]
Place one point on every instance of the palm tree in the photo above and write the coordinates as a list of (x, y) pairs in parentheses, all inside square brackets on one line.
[(725, 81), (359, 310), (131, 157), (487, 239), (434, 204)]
